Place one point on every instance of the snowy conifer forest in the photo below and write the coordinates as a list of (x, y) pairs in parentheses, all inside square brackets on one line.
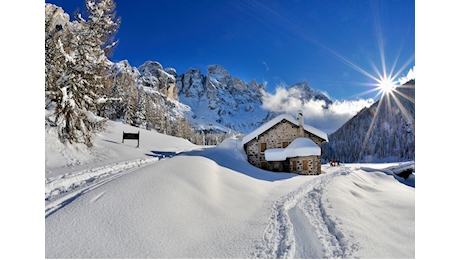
[(383, 132)]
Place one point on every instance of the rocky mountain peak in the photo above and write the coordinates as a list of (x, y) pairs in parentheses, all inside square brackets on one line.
[(215, 100), (153, 76), (303, 91), (217, 70), (56, 16)]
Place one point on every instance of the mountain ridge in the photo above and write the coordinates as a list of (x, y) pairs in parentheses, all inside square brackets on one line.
[(382, 132), (216, 101)]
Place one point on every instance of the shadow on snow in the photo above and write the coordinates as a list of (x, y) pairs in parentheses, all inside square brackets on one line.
[(232, 162)]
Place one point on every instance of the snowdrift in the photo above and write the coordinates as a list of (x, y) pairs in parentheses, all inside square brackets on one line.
[(192, 205), (172, 199), (108, 148), (375, 214)]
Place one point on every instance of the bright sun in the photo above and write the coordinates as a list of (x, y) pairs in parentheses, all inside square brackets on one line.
[(386, 85)]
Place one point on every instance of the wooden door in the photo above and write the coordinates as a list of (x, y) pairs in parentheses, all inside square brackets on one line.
[(294, 165)]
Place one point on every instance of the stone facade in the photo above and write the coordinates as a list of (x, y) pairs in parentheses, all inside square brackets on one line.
[(280, 136), (308, 165)]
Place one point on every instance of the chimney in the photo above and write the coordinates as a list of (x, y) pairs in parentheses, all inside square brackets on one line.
[(300, 119)]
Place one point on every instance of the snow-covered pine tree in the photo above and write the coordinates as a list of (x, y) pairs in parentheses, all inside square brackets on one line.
[(103, 21), (76, 70), (167, 120), (178, 127), (54, 61), (140, 118), (76, 91), (49, 60), (48, 38), (156, 118), (188, 132), (125, 90)]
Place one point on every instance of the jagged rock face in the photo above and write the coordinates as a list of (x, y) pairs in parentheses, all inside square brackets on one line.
[(229, 100), (304, 92), (153, 76), (122, 68), (218, 87), (213, 101), (56, 16), (191, 84)]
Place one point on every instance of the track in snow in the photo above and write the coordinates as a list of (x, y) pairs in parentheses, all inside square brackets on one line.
[(307, 245), (63, 189), (300, 228)]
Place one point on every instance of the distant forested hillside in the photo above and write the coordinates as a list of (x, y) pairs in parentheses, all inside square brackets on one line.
[(383, 132)]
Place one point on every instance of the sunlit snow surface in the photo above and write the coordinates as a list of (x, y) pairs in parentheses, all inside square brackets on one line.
[(171, 199)]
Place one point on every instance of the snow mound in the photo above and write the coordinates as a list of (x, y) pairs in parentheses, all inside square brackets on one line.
[(198, 204), (171, 199), (346, 213), (374, 212)]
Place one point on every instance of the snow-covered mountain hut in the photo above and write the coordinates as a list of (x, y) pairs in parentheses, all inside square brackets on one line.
[(286, 144)]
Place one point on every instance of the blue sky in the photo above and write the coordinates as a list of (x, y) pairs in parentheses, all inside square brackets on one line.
[(329, 44)]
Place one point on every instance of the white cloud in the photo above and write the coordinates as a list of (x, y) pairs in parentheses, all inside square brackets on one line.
[(315, 114), (410, 76)]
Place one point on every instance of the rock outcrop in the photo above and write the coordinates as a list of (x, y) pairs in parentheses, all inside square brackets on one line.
[(191, 84), (305, 93), (154, 76), (228, 101), (56, 17)]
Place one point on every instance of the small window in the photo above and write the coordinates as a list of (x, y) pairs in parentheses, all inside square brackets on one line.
[(285, 144), (263, 147)]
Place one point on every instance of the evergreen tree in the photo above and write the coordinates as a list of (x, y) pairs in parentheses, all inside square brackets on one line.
[(76, 92), (48, 55), (142, 116), (129, 99), (167, 120), (76, 69), (103, 22), (188, 132), (53, 66)]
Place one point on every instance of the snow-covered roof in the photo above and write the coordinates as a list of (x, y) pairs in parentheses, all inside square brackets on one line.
[(278, 119), (299, 147)]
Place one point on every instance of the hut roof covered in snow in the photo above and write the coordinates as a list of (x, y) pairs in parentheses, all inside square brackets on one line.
[(299, 147), (278, 119)]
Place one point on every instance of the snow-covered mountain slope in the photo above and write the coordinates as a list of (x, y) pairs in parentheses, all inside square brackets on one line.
[(216, 101), (61, 158), (384, 132), (209, 202), (222, 100)]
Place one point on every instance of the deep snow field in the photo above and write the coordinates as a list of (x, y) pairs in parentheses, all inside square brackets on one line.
[(172, 199)]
